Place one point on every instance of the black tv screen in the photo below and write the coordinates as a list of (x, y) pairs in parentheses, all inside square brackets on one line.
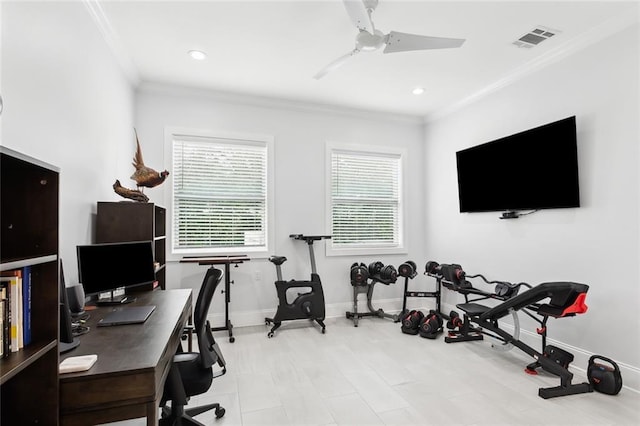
[(531, 170), (109, 266)]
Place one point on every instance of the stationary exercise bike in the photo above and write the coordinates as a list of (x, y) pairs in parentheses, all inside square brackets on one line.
[(309, 305)]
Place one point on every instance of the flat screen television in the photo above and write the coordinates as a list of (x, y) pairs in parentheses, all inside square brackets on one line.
[(103, 268), (531, 170)]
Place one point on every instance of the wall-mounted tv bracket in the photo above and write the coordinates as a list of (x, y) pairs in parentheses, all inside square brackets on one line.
[(511, 214)]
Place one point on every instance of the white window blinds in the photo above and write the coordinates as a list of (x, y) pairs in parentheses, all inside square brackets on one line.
[(365, 199), (219, 194)]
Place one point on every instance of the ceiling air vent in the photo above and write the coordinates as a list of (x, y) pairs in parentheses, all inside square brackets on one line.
[(535, 37)]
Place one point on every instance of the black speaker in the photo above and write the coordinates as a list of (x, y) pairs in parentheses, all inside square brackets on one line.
[(75, 298)]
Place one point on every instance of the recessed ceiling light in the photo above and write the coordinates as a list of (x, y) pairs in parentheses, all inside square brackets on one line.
[(197, 55), (418, 91)]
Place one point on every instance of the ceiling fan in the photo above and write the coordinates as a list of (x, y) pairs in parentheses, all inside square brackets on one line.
[(369, 38)]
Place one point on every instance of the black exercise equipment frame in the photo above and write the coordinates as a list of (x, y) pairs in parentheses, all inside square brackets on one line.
[(313, 301), (466, 332), (435, 294), (566, 299), (367, 288), (227, 261)]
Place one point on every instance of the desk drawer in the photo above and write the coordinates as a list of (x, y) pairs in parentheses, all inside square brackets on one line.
[(107, 390)]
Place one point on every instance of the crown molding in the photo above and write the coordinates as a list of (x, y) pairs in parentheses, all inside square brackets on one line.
[(570, 47), (272, 102), (113, 41)]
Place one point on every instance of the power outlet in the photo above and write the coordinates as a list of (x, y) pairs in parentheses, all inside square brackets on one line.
[(257, 276)]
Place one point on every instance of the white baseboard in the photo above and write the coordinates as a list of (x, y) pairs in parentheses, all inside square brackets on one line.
[(630, 374), (333, 310)]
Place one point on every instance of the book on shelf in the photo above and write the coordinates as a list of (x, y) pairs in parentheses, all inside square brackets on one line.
[(6, 319), (13, 278), (17, 291), (26, 305), (1, 326)]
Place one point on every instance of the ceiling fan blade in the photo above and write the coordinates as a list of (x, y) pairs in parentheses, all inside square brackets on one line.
[(335, 64), (402, 42), (359, 15)]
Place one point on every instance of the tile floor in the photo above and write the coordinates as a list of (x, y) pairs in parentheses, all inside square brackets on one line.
[(374, 374)]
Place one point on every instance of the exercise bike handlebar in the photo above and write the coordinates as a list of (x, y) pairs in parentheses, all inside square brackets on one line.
[(309, 238)]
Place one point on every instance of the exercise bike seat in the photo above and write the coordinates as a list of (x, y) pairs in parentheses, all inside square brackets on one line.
[(277, 260)]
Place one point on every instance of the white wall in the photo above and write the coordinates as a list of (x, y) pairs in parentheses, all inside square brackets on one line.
[(597, 244), (300, 134), (67, 103)]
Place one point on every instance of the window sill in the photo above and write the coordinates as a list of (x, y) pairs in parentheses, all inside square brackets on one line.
[(252, 254), (364, 251)]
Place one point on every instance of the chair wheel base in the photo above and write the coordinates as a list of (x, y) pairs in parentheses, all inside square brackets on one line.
[(220, 412)]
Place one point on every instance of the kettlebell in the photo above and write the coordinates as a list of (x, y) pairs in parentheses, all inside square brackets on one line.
[(604, 378)]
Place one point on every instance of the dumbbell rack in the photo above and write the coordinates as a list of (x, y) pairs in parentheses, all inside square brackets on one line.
[(435, 294), (367, 287)]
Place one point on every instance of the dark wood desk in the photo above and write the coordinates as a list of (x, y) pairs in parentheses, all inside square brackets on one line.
[(133, 362)]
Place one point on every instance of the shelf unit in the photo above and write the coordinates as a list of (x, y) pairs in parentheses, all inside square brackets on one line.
[(133, 221), (29, 188)]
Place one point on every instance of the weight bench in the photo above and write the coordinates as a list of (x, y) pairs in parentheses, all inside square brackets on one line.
[(565, 299)]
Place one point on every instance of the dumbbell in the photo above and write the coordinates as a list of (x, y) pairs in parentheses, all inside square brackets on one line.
[(388, 274), (454, 320), (411, 322), (432, 267), (453, 273), (375, 268), (359, 274), (407, 269), (431, 325)]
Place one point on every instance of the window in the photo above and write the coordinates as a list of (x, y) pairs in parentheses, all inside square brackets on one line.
[(220, 190), (365, 201)]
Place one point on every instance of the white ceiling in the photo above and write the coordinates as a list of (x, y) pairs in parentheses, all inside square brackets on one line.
[(273, 48)]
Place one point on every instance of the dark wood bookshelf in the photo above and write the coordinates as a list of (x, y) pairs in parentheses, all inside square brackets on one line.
[(29, 191), (134, 221)]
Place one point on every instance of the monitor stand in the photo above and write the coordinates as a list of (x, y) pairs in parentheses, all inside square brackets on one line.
[(67, 346)]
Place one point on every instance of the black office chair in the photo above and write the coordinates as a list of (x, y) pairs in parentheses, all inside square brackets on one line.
[(192, 372)]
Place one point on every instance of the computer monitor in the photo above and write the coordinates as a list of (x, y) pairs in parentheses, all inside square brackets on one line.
[(104, 268)]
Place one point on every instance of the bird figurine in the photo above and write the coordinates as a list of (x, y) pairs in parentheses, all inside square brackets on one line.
[(144, 176), (132, 194)]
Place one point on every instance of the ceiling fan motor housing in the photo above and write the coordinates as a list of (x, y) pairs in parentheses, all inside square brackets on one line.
[(369, 42)]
